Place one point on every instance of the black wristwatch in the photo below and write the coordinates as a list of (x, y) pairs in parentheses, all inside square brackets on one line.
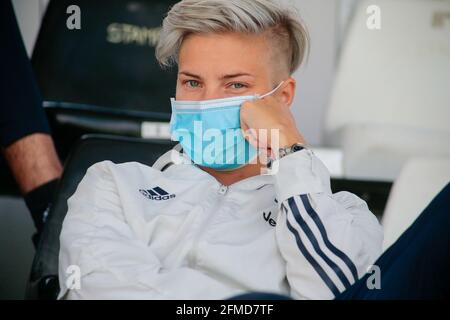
[(282, 152)]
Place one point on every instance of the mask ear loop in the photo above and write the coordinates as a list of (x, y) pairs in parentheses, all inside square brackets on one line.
[(257, 96)]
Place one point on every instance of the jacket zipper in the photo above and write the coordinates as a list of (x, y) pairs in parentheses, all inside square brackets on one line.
[(222, 191)]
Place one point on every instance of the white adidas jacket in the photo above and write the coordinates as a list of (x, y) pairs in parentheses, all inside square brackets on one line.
[(136, 232)]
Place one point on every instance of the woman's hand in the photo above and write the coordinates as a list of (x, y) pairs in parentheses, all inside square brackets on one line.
[(260, 117)]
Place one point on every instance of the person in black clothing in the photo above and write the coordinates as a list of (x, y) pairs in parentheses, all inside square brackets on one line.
[(25, 139)]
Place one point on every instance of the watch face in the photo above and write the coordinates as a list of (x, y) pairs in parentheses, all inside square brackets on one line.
[(297, 147)]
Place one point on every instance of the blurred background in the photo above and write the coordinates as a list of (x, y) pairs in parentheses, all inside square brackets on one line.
[(373, 98)]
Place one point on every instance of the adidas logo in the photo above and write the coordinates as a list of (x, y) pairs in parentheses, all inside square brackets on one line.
[(156, 194)]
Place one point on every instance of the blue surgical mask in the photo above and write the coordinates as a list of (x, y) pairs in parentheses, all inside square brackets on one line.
[(210, 134)]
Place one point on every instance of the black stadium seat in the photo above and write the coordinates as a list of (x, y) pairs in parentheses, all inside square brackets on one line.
[(104, 77), (43, 281)]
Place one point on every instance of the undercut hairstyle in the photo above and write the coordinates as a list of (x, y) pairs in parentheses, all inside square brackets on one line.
[(283, 27)]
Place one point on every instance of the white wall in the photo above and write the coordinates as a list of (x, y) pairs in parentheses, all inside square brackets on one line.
[(314, 78), (29, 14)]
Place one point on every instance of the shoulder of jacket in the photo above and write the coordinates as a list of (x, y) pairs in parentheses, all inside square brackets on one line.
[(108, 168)]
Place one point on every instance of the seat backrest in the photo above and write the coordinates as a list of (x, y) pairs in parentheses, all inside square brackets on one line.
[(390, 100), (69, 123), (419, 182), (398, 75), (110, 62), (89, 150)]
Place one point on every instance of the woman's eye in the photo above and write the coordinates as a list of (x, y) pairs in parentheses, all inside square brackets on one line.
[(193, 83), (237, 85)]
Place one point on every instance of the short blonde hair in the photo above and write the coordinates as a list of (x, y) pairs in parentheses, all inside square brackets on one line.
[(284, 28)]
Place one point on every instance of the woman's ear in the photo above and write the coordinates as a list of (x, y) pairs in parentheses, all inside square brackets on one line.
[(287, 91)]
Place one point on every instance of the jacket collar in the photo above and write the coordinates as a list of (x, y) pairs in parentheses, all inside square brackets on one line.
[(177, 161)]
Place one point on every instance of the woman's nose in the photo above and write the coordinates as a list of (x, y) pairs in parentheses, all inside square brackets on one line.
[(212, 92)]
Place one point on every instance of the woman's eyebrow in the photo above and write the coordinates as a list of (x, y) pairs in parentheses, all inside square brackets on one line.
[(235, 75), (222, 77), (189, 74)]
